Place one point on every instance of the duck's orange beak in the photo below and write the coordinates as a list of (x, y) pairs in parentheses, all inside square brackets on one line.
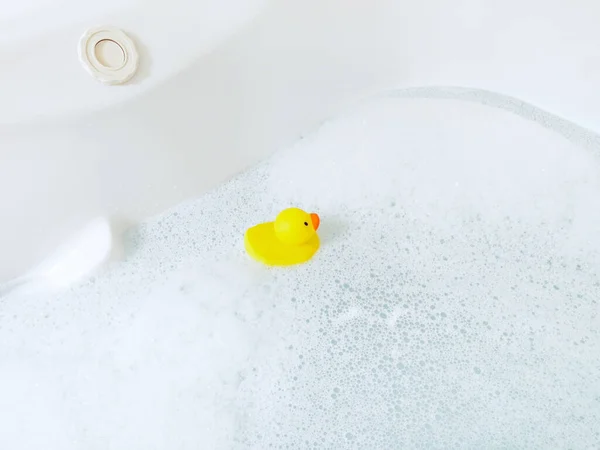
[(315, 220)]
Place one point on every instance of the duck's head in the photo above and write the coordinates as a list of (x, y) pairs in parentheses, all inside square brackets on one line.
[(294, 226)]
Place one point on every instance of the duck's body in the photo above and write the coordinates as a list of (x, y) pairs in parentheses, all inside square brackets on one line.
[(291, 239), (262, 245)]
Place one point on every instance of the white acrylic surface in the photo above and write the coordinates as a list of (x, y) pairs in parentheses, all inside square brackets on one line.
[(41, 77), (453, 304)]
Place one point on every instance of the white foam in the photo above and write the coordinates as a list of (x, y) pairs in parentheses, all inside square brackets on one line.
[(453, 303)]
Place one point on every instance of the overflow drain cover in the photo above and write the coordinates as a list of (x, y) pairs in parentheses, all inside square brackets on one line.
[(108, 54)]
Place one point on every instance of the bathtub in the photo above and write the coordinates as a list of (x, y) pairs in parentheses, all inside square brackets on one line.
[(184, 343), (234, 84)]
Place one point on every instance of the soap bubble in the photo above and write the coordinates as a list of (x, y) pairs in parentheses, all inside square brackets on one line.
[(453, 303)]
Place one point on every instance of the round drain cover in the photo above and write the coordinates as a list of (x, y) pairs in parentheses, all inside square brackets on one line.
[(108, 54)]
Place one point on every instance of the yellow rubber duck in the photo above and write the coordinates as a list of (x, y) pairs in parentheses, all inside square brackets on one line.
[(291, 239)]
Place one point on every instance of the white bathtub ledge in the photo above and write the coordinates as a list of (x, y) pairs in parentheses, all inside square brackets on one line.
[(41, 75)]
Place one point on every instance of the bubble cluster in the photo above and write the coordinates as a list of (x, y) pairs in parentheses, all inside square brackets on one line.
[(453, 303)]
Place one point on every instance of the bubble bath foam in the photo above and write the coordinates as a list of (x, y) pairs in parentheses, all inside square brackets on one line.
[(453, 303)]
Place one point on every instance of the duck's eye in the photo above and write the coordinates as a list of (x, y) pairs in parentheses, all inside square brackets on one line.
[(305, 224)]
